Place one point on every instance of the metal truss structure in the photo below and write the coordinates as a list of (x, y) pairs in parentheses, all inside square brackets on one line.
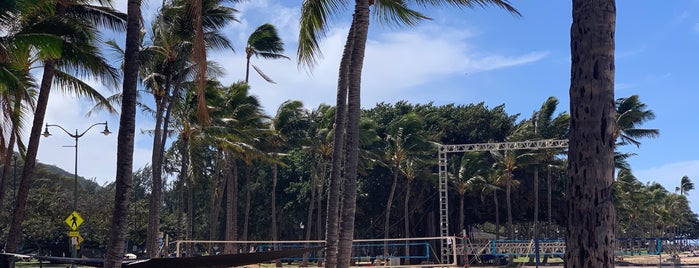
[(444, 150)]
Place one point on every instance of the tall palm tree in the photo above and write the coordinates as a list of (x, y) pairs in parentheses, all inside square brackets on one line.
[(167, 66), (286, 128), (590, 239), (314, 16), (125, 139), (75, 23), (263, 42)]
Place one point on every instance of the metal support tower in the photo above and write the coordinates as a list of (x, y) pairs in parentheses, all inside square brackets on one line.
[(460, 148)]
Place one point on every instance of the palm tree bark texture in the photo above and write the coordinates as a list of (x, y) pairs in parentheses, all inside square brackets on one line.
[(125, 139), (591, 215)]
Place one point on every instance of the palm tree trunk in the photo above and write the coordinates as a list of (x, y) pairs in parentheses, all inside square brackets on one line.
[(231, 206), (590, 239), (332, 225), (125, 139), (536, 211), (248, 196), (14, 236), (497, 215), (461, 211), (216, 197), (157, 182), (309, 213), (550, 210), (199, 58), (273, 217), (389, 204), (6, 163), (361, 32), (190, 211), (508, 193), (406, 217)]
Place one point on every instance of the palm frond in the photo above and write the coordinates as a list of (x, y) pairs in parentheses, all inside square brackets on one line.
[(397, 13)]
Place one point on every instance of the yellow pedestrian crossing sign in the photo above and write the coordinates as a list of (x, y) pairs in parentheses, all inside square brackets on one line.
[(74, 220)]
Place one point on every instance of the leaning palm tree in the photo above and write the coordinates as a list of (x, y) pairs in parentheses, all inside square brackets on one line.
[(314, 23), (75, 23), (263, 42), (590, 239)]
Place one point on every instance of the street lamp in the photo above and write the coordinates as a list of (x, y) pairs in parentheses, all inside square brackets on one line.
[(76, 136)]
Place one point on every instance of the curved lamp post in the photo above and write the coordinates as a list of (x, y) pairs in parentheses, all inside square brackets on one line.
[(76, 136)]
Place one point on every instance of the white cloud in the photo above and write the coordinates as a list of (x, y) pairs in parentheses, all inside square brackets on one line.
[(395, 63)]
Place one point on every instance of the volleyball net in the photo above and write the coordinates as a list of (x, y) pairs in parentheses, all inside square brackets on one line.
[(395, 252)]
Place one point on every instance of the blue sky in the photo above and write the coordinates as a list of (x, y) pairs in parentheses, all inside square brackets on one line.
[(461, 56)]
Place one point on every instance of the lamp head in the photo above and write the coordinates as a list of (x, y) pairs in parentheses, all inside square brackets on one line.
[(46, 133), (106, 129)]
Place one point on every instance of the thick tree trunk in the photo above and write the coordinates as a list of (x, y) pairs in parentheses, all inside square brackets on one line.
[(125, 139), (361, 18), (590, 238)]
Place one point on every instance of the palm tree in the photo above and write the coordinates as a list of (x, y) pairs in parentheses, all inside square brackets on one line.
[(196, 11), (167, 66), (543, 125), (125, 140), (686, 185), (590, 240), (263, 42), (319, 144), (287, 127), (631, 113), (469, 178), (17, 88), (80, 54), (492, 183), (314, 17), (506, 163)]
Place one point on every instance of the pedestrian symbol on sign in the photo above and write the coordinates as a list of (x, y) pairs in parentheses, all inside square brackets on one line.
[(74, 220)]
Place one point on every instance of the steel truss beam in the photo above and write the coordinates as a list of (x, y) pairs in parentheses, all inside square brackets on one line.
[(444, 150)]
